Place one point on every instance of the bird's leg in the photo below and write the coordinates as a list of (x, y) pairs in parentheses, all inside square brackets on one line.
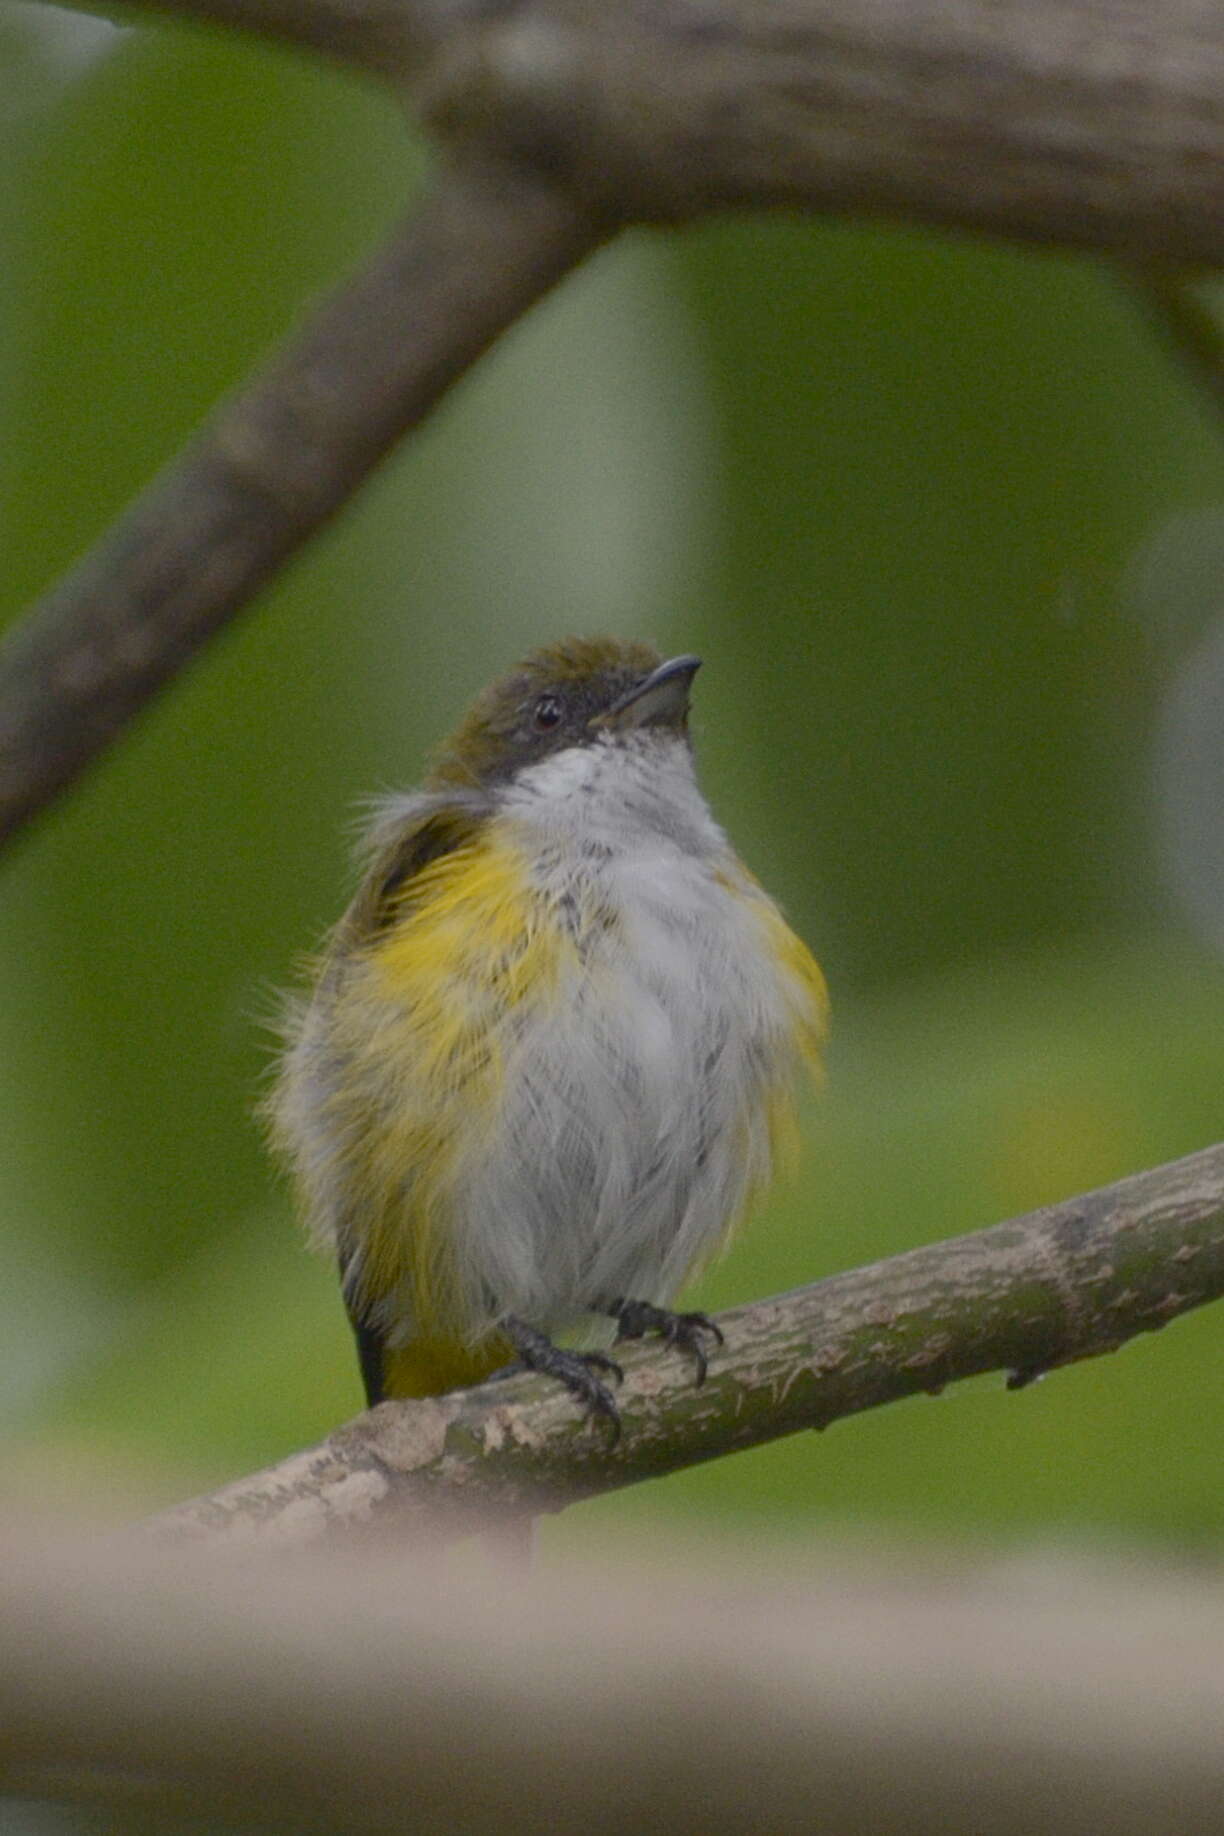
[(634, 1319), (576, 1370)]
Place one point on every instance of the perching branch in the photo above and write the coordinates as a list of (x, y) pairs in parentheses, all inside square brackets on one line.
[(1090, 123), (1061, 1284)]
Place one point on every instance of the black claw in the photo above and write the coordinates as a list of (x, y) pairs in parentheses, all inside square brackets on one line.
[(683, 1330), (576, 1370), (600, 1361)]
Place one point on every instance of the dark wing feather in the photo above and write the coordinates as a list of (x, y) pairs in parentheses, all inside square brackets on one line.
[(388, 881)]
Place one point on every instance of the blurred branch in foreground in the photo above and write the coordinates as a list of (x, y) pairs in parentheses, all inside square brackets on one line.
[(1064, 1283), (788, 1691), (1088, 123)]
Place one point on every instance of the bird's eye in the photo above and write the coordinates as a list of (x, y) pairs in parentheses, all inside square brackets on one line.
[(547, 713)]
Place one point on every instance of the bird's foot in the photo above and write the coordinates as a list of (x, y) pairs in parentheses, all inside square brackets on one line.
[(578, 1371), (684, 1330)]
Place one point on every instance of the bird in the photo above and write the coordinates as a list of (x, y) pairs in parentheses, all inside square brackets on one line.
[(551, 1052)]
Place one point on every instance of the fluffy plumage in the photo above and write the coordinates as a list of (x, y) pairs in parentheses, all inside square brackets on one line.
[(551, 1051)]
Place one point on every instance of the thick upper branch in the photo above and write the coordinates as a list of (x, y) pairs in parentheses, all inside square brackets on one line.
[(1091, 122), (1064, 1283)]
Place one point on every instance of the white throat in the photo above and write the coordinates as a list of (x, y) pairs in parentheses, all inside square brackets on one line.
[(633, 787)]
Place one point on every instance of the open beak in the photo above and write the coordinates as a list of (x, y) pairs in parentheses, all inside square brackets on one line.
[(661, 700)]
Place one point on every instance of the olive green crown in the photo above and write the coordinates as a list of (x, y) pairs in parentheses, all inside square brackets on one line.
[(497, 735)]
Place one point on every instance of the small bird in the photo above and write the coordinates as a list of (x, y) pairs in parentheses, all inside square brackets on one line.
[(551, 1050)]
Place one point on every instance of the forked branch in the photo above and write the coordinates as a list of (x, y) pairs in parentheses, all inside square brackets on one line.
[(1099, 124), (1088, 123)]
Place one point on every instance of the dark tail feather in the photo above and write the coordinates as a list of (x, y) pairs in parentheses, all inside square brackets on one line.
[(369, 1342)]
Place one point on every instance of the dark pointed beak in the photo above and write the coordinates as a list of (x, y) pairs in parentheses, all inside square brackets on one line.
[(660, 700)]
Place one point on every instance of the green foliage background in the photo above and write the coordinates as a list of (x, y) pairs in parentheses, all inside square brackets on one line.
[(943, 519)]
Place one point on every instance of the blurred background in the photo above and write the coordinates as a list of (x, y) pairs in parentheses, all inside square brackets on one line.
[(946, 522)]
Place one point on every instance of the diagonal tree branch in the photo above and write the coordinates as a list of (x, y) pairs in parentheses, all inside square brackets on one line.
[(1061, 1284), (272, 465)]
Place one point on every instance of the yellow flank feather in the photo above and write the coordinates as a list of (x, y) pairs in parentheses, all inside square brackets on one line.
[(425, 1017), (795, 960), (810, 1012), (427, 1367)]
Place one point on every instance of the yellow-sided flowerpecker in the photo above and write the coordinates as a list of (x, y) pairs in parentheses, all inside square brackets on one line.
[(551, 1050)]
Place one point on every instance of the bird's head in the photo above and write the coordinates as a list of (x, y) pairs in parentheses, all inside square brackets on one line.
[(579, 692)]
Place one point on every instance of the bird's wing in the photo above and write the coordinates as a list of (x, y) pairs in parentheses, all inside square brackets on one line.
[(408, 837)]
